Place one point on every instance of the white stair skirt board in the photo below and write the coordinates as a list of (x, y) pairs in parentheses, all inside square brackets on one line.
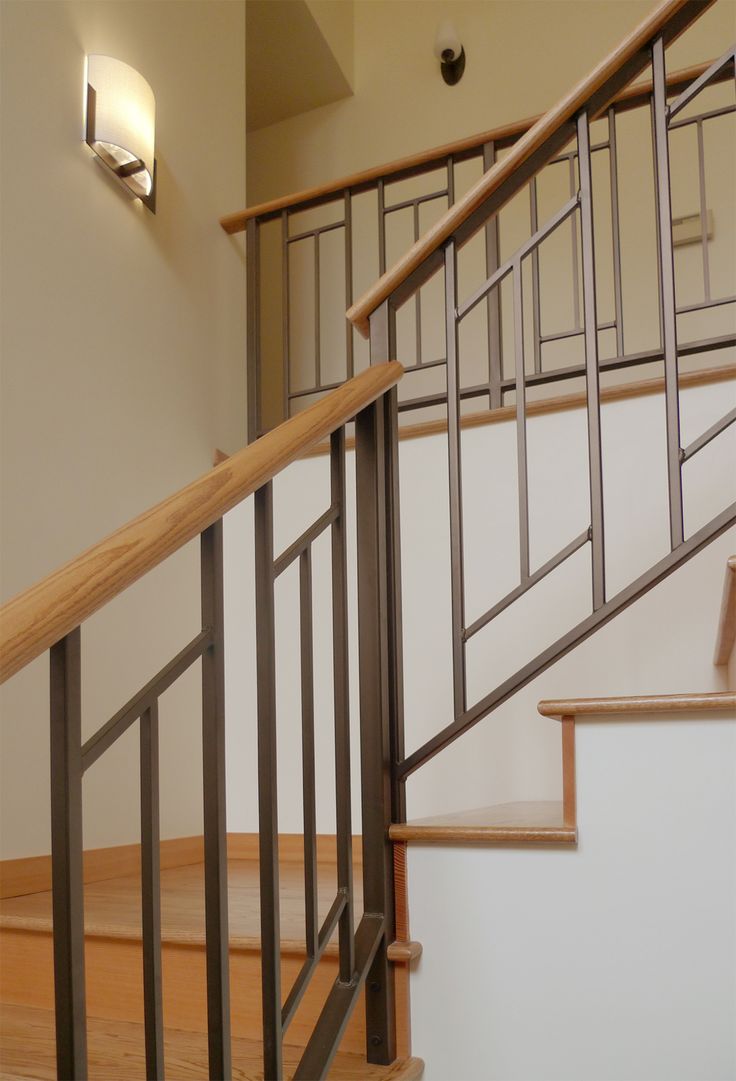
[(615, 961)]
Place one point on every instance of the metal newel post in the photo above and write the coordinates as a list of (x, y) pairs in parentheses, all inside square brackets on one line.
[(66, 857)]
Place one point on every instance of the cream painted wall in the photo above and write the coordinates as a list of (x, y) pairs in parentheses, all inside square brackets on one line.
[(122, 346)]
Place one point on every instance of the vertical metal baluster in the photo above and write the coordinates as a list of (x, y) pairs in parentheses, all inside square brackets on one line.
[(615, 231), (591, 364), (151, 894), (521, 452), (267, 786), (455, 468), (374, 723), (308, 782), (395, 619), (669, 317), (493, 259), (382, 326), (703, 213), (285, 317), (574, 242), (215, 837), (66, 857), (317, 328), (381, 229), (349, 281), (418, 294), (450, 180), (253, 339), (340, 664), (536, 314), (660, 306)]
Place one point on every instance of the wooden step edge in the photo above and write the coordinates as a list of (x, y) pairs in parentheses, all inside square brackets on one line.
[(196, 940), (642, 703), (726, 637), (483, 835), (403, 952), (405, 1069)]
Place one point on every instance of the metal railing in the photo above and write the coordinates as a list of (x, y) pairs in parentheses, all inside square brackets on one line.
[(371, 401), (303, 380), (580, 206)]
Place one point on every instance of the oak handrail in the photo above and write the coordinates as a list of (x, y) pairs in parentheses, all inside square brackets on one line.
[(638, 703), (552, 122), (629, 98), (40, 616)]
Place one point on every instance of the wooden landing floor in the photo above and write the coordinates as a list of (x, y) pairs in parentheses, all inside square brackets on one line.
[(113, 907), (116, 1053)]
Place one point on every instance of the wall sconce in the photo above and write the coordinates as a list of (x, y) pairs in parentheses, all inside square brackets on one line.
[(449, 51), (121, 124)]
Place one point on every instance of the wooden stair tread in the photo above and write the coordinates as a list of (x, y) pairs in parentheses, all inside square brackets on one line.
[(531, 822), (116, 1053), (112, 907)]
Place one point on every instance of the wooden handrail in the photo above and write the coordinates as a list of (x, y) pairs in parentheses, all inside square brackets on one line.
[(37, 618), (638, 703), (726, 637), (634, 95), (623, 58)]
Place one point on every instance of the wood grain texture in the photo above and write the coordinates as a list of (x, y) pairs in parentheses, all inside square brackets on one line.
[(33, 873), (404, 951), (726, 637), (43, 614), (557, 404), (116, 1053), (564, 111), (236, 223), (641, 703), (244, 846), (519, 823), (569, 795)]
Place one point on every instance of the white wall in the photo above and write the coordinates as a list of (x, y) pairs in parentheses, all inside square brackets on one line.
[(613, 961), (664, 643), (122, 366)]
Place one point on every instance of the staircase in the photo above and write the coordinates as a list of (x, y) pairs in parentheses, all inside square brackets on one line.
[(264, 955)]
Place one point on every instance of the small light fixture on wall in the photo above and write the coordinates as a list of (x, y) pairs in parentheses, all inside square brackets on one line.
[(121, 124), (449, 51)]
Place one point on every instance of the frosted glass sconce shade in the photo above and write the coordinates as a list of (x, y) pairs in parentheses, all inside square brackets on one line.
[(121, 124)]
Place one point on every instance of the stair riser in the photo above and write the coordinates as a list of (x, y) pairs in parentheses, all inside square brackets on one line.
[(115, 985)]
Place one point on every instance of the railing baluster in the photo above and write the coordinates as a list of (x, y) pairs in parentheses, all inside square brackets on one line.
[(374, 723), (267, 786), (455, 478), (669, 316), (381, 228), (574, 244), (395, 617), (151, 894), (615, 231), (340, 663), (536, 313), (418, 294), (306, 634), (285, 318), (66, 857), (348, 215), (521, 452), (703, 213), (317, 313), (592, 378), (493, 261), (253, 339), (215, 838)]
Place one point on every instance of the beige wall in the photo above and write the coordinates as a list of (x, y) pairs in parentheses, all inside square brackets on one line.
[(522, 56), (122, 347)]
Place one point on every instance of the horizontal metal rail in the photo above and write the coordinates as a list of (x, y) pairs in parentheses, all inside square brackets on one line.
[(526, 585), (303, 541), (568, 641), (144, 699), (707, 436)]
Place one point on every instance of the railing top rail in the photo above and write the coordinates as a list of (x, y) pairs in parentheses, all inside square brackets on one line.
[(425, 160), (34, 620), (595, 92), (641, 703)]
